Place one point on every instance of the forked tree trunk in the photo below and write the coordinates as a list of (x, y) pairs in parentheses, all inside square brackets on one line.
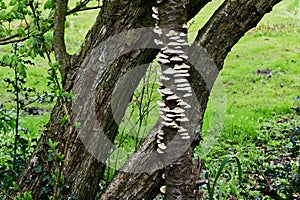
[(228, 24), (82, 171)]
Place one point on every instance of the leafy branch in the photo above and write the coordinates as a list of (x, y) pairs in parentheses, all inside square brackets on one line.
[(19, 36)]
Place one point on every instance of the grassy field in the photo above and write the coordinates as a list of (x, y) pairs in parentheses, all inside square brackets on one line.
[(261, 81), (251, 115)]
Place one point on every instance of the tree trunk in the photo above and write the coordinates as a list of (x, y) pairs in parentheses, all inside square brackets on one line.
[(175, 108), (82, 171), (228, 24)]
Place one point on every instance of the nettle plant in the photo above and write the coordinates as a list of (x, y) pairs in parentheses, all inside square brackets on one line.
[(22, 26), (17, 141)]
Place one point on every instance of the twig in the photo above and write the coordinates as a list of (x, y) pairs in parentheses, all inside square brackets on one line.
[(89, 8), (14, 41), (6, 194), (14, 35), (79, 7)]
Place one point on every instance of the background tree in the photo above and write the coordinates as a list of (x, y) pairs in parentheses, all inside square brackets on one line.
[(82, 172)]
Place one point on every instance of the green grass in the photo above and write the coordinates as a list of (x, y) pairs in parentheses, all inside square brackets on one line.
[(251, 96), (200, 19), (252, 99), (78, 26)]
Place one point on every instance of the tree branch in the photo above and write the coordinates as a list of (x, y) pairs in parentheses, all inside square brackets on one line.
[(79, 7), (14, 41), (59, 34), (230, 22), (6, 40), (89, 8)]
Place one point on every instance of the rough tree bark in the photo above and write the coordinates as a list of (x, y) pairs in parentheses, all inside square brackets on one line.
[(82, 171), (224, 29), (175, 107)]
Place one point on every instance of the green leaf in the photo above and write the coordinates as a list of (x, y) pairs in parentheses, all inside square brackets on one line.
[(38, 169), (14, 60), (52, 144), (6, 59), (60, 156), (65, 119), (27, 196), (2, 5), (50, 157), (224, 162), (2, 15), (15, 8), (32, 53), (21, 69), (50, 4), (13, 2)]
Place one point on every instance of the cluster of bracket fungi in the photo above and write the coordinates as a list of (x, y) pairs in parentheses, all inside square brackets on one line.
[(174, 86)]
